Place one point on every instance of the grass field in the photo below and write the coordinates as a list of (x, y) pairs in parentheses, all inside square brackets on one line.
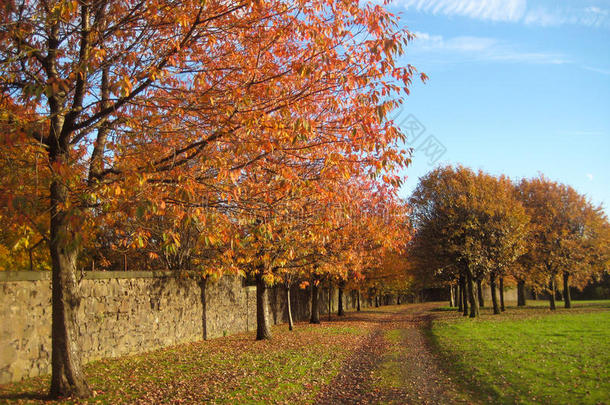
[(530, 355)]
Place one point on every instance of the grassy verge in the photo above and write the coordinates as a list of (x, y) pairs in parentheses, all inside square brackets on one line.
[(291, 368), (390, 371), (530, 356)]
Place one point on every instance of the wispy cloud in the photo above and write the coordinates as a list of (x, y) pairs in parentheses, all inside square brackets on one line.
[(515, 11), (590, 176), (495, 10), (591, 16), (582, 133), (597, 70), (482, 48)]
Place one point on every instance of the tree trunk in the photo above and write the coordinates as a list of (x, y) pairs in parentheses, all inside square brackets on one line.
[(464, 296), (451, 299), (521, 293), (262, 320), (290, 323), (376, 301), (330, 302), (67, 378), (480, 294), (358, 301), (398, 299), (474, 305), (502, 308), (494, 298), (567, 298), (552, 292), (460, 298), (315, 304), (340, 311)]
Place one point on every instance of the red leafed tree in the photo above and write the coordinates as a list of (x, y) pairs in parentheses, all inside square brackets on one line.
[(135, 106)]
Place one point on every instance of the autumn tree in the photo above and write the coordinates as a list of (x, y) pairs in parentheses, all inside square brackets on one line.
[(566, 235), (140, 102), (467, 225)]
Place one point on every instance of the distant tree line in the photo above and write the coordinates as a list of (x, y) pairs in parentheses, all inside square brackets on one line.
[(472, 228)]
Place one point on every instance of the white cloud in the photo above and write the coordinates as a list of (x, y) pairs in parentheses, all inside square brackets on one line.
[(471, 48), (583, 133), (495, 10), (481, 48), (589, 16), (597, 70), (516, 11), (590, 176)]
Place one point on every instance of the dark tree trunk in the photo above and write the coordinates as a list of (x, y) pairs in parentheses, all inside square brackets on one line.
[(552, 292), (376, 301), (358, 300), (262, 320), (567, 298), (502, 308), (340, 311), (330, 302), (451, 298), (535, 295), (315, 304), (494, 298), (398, 299), (521, 293), (474, 305), (67, 378), (460, 298), (480, 294), (464, 296), (290, 323)]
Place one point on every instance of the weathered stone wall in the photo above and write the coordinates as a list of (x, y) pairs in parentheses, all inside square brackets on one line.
[(117, 316), (25, 329), (133, 312)]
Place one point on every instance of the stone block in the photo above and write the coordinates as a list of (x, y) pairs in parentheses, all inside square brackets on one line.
[(8, 354)]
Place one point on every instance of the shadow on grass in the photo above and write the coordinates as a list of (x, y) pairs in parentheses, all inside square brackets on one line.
[(452, 366), (461, 371), (444, 309), (25, 395)]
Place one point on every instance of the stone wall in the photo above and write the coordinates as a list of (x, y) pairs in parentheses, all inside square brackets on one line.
[(121, 313), (133, 312), (510, 294)]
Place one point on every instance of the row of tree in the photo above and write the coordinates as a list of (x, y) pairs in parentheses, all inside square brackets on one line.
[(472, 227), (243, 137)]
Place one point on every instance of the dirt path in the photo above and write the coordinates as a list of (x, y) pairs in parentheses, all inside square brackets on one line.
[(394, 365)]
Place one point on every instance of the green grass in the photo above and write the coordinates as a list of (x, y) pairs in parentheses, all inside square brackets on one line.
[(575, 304), (540, 303), (341, 330), (548, 358), (390, 370)]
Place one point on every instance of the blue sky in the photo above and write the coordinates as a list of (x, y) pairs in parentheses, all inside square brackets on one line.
[(516, 87)]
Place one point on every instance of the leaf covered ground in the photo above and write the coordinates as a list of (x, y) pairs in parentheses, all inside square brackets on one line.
[(411, 354), (294, 367)]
